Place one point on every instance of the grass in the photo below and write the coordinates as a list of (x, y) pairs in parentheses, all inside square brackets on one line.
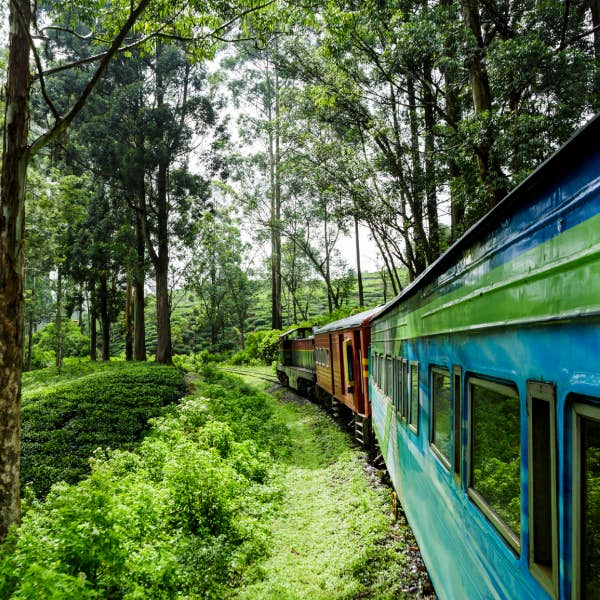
[(333, 537)]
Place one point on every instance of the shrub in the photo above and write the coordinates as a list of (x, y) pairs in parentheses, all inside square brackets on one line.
[(263, 345), (64, 422), (74, 342), (181, 517)]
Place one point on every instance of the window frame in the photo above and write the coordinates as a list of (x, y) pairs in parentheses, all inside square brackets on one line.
[(397, 387), (389, 378), (513, 541), (348, 364), (457, 424), (445, 460), (581, 410), (544, 392)]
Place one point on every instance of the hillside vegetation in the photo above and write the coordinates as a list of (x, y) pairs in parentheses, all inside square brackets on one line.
[(89, 406)]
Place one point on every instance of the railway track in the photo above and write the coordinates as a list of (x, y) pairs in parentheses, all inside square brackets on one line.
[(249, 373)]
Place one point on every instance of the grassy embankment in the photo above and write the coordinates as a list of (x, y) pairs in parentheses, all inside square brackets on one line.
[(333, 537), (230, 494)]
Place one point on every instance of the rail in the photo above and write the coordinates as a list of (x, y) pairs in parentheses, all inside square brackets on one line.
[(249, 373)]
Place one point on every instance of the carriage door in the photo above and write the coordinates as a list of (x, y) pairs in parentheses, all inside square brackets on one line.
[(348, 360), (586, 500)]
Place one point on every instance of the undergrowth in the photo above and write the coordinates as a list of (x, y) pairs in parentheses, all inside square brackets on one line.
[(182, 516), (88, 406)]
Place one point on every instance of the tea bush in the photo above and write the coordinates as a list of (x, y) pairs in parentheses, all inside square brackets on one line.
[(105, 406), (181, 517)]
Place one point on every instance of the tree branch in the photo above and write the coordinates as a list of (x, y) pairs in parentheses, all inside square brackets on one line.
[(61, 125)]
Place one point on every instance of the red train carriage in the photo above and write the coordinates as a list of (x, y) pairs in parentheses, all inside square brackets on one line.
[(296, 366), (341, 359)]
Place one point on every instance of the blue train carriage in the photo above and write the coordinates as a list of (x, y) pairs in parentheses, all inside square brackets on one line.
[(485, 392), (296, 365)]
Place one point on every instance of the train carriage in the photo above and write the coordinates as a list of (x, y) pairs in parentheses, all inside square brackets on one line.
[(341, 357), (296, 365), (485, 392)]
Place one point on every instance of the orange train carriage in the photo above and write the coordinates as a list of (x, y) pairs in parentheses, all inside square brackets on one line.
[(342, 368), (330, 365)]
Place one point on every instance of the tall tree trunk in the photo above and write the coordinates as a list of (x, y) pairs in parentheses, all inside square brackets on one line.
[(58, 328), (327, 269), (128, 321), (31, 328), (164, 351), (93, 333), (105, 318), (139, 327), (453, 112), (12, 229), (595, 10), (489, 171), (430, 168), (361, 294), (276, 317), (160, 258), (421, 250), (29, 361)]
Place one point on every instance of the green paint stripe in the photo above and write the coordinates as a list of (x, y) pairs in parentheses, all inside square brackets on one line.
[(559, 278)]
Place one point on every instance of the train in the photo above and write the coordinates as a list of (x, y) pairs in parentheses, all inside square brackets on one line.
[(480, 383)]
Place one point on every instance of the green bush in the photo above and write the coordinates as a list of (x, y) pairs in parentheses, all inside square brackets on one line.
[(194, 362), (182, 517), (74, 342), (263, 345), (66, 420)]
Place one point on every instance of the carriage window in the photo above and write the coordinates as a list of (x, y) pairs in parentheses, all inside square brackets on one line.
[(543, 536), (389, 377), (440, 398), (397, 387), (413, 404), (457, 405), (375, 361), (495, 456), (349, 364), (586, 510)]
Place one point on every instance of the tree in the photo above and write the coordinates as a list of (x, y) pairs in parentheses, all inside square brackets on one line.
[(217, 277), (109, 29)]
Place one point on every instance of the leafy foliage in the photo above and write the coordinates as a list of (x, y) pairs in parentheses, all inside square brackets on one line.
[(180, 517), (66, 421)]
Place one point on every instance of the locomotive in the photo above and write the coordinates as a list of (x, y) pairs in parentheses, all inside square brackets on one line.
[(481, 383)]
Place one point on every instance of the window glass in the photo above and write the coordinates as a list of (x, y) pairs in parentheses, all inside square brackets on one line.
[(440, 432), (413, 409), (590, 509), (496, 455), (349, 362), (389, 377)]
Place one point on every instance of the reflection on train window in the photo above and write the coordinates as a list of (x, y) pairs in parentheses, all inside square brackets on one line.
[(413, 403), (586, 511), (440, 414), (495, 456), (397, 385), (389, 377), (322, 357)]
